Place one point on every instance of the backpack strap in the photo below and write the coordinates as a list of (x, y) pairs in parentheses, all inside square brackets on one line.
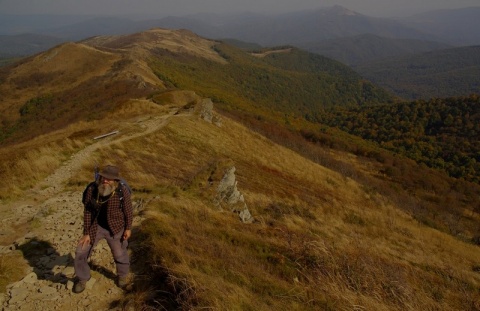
[(92, 185)]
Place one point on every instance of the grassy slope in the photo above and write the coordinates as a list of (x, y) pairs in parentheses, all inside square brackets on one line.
[(322, 241), (67, 84), (288, 87)]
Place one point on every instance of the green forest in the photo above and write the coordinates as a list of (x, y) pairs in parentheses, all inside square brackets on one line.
[(294, 82), (441, 133)]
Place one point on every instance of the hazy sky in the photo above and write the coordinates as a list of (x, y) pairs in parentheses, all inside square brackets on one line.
[(386, 8)]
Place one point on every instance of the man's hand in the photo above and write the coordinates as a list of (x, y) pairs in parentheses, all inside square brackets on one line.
[(126, 234), (85, 240)]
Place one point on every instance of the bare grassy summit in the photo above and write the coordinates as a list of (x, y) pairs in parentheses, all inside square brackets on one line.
[(319, 240), (175, 41)]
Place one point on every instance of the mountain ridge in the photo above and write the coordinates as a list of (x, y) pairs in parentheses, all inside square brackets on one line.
[(132, 53)]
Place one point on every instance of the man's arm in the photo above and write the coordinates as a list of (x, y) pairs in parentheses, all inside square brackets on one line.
[(87, 211), (87, 216), (128, 212)]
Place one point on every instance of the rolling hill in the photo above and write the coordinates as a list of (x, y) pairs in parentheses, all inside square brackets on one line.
[(365, 48), (285, 73), (333, 229), (443, 73), (335, 32)]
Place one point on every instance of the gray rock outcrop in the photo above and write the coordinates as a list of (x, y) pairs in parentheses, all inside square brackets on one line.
[(207, 113), (228, 195)]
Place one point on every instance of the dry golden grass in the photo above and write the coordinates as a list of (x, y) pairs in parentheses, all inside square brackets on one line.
[(12, 269), (23, 165), (321, 241), (23, 168), (180, 41), (62, 67)]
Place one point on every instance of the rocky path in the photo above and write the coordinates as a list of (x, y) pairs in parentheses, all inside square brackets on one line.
[(55, 216)]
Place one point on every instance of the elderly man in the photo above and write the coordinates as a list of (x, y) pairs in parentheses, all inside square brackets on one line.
[(107, 215)]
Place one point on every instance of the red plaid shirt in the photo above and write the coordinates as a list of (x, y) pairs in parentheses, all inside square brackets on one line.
[(119, 219)]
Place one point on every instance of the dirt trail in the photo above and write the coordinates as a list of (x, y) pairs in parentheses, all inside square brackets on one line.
[(51, 184), (56, 217)]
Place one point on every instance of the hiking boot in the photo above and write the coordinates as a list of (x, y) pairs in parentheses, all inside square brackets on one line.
[(79, 286), (122, 281)]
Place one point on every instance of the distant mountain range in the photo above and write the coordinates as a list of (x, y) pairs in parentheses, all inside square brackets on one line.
[(335, 32), (299, 27), (26, 44), (366, 48), (458, 27), (453, 27)]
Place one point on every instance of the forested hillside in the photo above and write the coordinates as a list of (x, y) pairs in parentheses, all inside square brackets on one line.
[(441, 133), (443, 73), (285, 80)]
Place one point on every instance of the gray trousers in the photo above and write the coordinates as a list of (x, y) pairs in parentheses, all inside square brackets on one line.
[(117, 245)]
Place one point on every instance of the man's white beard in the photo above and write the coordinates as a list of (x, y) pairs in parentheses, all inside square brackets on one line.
[(105, 189)]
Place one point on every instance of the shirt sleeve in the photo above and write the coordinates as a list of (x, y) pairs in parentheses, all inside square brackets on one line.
[(87, 211)]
